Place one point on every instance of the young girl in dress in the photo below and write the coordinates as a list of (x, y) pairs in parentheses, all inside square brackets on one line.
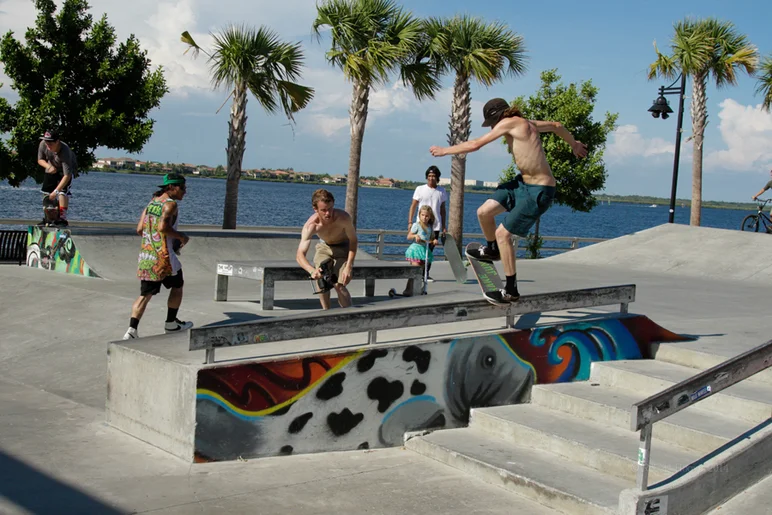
[(421, 232)]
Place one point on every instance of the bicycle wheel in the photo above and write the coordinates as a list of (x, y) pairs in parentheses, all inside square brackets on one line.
[(750, 223)]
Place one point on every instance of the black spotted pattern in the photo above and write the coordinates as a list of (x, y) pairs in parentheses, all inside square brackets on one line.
[(364, 445), (419, 356), (343, 422), (385, 392), (300, 422), (417, 388), (286, 450), (332, 387), (367, 361)]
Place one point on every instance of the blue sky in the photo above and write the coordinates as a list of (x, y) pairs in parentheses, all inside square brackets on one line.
[(609, 42)]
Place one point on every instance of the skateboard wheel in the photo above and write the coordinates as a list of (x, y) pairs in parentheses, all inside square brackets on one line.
[(392, 293)]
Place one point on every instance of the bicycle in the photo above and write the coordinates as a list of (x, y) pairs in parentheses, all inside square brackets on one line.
[(752, 222)]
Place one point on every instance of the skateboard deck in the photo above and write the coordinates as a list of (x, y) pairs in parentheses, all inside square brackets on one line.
[(454, 258), (485, 271)]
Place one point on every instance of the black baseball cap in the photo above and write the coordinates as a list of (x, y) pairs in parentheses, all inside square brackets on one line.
[(50, 135), (493, 111)]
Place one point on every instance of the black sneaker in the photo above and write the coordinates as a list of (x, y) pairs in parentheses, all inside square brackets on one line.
[(484, 253), (61, 223), (500, 297)]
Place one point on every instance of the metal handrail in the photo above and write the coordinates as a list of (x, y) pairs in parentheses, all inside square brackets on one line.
[(378, 318), (689, 392), (380, 242)]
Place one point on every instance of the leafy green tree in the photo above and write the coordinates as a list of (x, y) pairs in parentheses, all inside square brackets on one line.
[(371, 39), (70, 74), (572, 106), (470, 49), (247, 60), (764, 87), (701, 49)]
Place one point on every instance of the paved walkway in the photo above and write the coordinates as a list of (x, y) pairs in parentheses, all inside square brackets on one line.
[(58, 456)]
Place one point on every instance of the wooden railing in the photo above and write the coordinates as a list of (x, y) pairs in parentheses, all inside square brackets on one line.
[(688, 393)]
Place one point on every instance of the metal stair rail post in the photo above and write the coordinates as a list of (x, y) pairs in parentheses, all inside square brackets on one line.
[(689, 392)]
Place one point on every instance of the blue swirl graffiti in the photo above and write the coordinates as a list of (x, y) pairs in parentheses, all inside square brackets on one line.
[(606, 340)]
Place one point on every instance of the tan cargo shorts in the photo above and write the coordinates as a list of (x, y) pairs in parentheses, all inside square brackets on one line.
[(338, 252)]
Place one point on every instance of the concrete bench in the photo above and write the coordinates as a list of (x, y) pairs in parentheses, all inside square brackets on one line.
[(268, 272)]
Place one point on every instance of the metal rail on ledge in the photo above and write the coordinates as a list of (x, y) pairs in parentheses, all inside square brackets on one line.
[(378, 318)]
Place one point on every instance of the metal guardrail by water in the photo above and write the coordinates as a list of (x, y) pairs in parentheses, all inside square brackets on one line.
[(377, 318), (380, 237), (689, 392)]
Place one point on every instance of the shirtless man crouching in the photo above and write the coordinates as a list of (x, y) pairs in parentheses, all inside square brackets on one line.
[(338, 242), (526, 198)]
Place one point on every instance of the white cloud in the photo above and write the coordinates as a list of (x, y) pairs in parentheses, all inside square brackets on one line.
[(747, 133), (158, 26), (388, 99), (327, 126), (627, 142)]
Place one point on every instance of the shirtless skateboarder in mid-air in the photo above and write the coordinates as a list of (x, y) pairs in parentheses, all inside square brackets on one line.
[(338, 243), (525, 198)]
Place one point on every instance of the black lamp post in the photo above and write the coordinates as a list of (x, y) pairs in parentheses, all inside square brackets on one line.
[(660, 107)]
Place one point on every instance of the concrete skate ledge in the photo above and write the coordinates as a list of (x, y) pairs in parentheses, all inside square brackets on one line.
[(257, 406), (707, 483)]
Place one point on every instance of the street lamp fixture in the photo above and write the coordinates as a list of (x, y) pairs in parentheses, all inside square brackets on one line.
[(661, 109)]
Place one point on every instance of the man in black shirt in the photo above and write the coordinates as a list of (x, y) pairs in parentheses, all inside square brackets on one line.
[(60, 165)]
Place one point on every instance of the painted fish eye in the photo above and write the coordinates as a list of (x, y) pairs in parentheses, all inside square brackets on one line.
[(487, 359)]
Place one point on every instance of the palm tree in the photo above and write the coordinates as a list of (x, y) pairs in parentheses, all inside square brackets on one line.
[(701, 49), (765, 82), (471, 49), (244, 60), (371, 39)]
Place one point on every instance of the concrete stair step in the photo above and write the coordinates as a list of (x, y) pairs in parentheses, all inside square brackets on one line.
[(746, 400), (693, 428), (608, 449), (754, 500), (541, 476), (680, 354)]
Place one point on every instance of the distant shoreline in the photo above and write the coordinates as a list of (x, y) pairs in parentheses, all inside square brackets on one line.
[(602, 198)]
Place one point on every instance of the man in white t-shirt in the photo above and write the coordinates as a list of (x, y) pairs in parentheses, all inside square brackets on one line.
[(434, 196)]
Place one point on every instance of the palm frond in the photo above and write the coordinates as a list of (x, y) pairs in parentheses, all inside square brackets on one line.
[(484, 51), (764, 85), (186, 38)]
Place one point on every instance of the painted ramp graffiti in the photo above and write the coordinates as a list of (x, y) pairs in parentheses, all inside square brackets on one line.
[(54, 249), (370, 398)]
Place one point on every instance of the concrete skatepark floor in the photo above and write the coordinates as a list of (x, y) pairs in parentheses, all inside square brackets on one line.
[(58, 456)]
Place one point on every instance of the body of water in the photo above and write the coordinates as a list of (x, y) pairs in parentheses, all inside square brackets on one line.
[(115, 197)]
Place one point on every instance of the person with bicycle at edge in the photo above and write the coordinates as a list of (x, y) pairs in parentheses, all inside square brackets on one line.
[(61, 166), (760, 193)]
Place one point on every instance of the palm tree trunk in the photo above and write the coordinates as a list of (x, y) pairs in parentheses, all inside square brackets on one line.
[(460, 127), (699, 110), (360, 98), (237, 132)]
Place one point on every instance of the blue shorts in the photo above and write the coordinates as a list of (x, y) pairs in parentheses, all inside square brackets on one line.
[(524, 202)]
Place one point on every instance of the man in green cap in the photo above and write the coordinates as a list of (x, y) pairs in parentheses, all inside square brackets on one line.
[(158, 262)]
